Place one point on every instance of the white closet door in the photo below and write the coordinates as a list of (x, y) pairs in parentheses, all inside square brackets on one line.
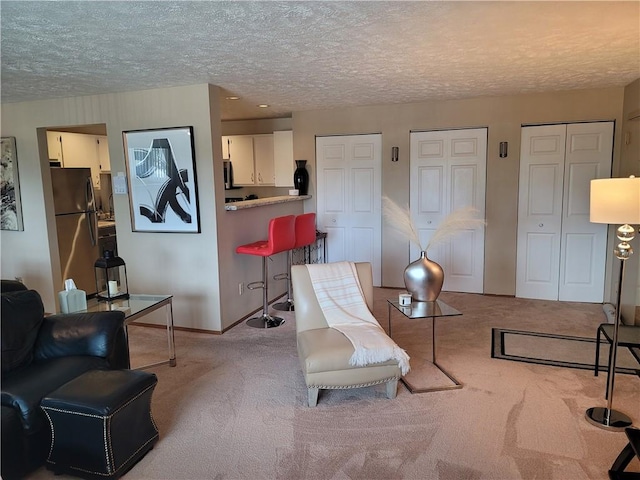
[(560, 254), (589, 148), (349, 189), (542, 150), (448, 172)]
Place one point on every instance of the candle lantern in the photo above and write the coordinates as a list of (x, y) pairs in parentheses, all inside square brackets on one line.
[(111, 277)]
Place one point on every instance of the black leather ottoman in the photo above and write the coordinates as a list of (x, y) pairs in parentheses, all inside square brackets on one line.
[(101, 423)]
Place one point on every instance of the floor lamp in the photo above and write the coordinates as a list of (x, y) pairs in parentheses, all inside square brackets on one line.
[(615, 201)]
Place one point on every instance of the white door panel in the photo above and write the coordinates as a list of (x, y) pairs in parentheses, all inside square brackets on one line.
[(543, 184), (349, 198), (362, 190), (540, 274), (584, 244), (462, 256), (548, 141), (560, 254), (336, 248), (363, 151), (448, 172), (430, 193), (333, 152), (577, 272), (464, 183), (465, 146), (540, 211), (334, 198)]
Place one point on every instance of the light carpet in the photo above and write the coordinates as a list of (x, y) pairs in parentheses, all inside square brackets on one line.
[(235, 405)]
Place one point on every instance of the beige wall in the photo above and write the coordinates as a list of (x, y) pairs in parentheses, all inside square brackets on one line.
[(630, 165), (204, 277), (503, 116), (201, 271), (184, 265)]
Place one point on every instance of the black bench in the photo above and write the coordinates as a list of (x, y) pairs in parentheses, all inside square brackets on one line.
[(101, 423)]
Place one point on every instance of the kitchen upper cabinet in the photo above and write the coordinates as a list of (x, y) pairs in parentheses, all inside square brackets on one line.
[(252, 158), (54, 145), (284, 165), (263, 158), (225, 147), (240, 152), (75, 150), (103, 153)]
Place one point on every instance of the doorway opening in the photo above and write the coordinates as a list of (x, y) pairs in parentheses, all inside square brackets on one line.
[(82, 199)]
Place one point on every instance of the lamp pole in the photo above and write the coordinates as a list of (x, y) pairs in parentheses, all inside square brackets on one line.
[(615, 200), (607, 417)]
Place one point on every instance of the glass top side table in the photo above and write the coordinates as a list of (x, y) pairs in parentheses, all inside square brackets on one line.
[(137, 306), (421, 311)]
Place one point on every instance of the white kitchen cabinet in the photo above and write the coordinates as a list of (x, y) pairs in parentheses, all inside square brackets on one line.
[(252, 158), (78, 150), (283, 163), (54, 146), (240, 152), (104, 161), (225, 148), (263, 159)]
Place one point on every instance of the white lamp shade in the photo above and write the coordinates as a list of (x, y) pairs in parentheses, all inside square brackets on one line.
[(615, 201)]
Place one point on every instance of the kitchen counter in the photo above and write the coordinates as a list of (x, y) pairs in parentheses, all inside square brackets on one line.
[(261, 202), (106, 223)]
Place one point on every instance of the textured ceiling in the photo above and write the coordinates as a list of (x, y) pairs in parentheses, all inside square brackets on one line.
[(310, 55)]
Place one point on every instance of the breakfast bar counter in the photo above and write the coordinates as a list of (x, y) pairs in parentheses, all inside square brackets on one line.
[(261, 202)]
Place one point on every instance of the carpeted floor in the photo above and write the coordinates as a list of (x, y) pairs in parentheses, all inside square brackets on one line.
[(235, 405)]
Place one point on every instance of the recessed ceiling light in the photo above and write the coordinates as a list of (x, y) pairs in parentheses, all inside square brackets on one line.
[(263, 105), (233, 97)]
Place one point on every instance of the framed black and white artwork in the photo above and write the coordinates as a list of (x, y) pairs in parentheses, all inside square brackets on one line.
[(161, 172), (11, 206)]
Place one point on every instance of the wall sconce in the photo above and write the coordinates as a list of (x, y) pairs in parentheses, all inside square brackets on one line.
[(503, 149), (394, 154)]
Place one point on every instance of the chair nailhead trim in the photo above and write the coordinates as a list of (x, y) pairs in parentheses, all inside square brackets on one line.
[(344, 387)]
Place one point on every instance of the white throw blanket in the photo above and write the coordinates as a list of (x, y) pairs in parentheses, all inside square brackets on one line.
[(342, 301)]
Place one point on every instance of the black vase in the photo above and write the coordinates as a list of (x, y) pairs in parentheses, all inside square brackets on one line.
[(301, 177)]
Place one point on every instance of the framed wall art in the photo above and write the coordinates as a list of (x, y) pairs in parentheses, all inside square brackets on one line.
[(11, 206), (161, 171)]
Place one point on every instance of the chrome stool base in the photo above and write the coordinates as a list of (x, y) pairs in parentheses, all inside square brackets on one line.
[(265, 321), (284, 306)]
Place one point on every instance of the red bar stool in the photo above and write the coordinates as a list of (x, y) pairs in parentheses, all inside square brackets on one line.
[(305, 228), (281, 238)]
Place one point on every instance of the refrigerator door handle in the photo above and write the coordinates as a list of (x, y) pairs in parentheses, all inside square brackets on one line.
[(90, 195), (92, 225), (92, 218)]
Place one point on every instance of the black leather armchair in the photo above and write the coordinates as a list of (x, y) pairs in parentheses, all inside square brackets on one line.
[(40, 354)]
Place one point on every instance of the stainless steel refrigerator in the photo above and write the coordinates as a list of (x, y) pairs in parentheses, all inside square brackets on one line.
[(77, 225)]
